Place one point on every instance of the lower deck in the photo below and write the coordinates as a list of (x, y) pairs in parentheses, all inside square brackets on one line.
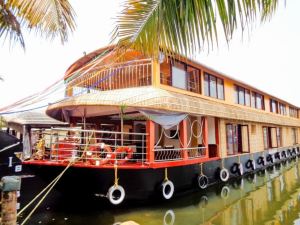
[(145, 139)]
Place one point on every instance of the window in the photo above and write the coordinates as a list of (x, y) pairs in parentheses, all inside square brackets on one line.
[(179, 75), (282, 109), (247, 97), (213, 86), (293, 112), (278, 137), (273, 106), (220, 86), (257, 101), (206, 85), (194, 81), (294, 136), (242, 96), (231, 135), (266, 137), (237, 136)]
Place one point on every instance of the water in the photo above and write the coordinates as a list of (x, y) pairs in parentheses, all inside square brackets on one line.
[(269, 198)]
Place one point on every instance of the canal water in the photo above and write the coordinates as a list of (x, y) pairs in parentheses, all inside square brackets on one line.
[(271, 197)]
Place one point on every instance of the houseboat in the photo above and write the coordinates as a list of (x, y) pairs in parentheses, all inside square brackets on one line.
[(143, 127)]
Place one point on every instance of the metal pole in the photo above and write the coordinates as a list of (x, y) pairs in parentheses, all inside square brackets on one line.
[(122, 126)]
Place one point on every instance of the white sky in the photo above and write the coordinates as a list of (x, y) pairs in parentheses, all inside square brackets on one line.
[(268, 60)]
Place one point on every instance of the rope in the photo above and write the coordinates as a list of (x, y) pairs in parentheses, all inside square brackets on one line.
[(166, 174), (201, 168), (10, 146), (177, 129), (161, 135), (50, 186), (46, 194), (116, 175)]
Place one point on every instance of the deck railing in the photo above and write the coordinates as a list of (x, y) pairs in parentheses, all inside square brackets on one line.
[(176, 154), (128, 74), (93, 147)]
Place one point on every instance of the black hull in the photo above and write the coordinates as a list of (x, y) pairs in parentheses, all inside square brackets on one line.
[(9, 163), (146, 183)]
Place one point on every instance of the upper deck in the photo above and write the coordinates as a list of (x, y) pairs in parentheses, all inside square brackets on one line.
[(102, 70)]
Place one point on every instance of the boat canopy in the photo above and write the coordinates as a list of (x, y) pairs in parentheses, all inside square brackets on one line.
[(152, 98)]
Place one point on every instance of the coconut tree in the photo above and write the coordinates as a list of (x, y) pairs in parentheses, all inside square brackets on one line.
[(49, 18), (185, 26)]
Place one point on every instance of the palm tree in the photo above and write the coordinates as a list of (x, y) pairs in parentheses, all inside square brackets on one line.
[(184, 26), (49, 18)]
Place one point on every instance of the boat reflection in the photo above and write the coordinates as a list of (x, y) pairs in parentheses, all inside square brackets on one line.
[(269, 198)]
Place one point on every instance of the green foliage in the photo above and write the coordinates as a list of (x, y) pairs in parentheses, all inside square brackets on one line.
[(2, 122), (184, 26), (49, 18)]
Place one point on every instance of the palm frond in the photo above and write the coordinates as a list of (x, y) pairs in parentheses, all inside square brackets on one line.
[(184, 26), (50, 18), (9, 25)]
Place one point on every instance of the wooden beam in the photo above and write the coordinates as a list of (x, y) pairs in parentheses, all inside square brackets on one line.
[(155, 73), (150, 130), (217, 136), (183, 137), (205, 134)]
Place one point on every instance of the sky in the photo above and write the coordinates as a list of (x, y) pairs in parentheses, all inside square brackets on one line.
[(268, 58)]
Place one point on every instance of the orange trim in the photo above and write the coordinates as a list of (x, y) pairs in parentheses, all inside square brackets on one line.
[(217, 136), (150, 130), (183, 137), (205, 134), (135, 166)]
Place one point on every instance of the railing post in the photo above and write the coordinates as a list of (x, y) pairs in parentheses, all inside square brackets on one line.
[(50, 153), (205, 134), (150, 130), (155, 72), (183, 138)]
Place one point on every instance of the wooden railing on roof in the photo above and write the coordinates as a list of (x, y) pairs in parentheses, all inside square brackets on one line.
[(128, 74)]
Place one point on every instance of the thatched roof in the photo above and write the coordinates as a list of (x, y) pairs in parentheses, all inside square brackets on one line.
[(109, 102), (32, 118)]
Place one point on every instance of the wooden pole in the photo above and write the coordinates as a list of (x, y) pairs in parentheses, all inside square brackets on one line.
[(205, 135), (150, 130), (10, 186), (183, 137)]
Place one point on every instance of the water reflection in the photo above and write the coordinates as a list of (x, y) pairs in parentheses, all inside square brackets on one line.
[(270, 197)]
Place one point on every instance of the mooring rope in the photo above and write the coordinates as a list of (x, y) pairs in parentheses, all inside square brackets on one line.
[(116, 175), (166, 174), (50, 186)]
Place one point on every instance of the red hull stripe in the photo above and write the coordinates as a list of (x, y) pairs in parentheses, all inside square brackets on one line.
[(137, 166)]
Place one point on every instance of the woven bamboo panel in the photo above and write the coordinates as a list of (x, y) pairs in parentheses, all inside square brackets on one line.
[(159, 99)]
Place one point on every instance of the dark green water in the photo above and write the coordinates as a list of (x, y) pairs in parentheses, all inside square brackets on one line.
[(269, 198)]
